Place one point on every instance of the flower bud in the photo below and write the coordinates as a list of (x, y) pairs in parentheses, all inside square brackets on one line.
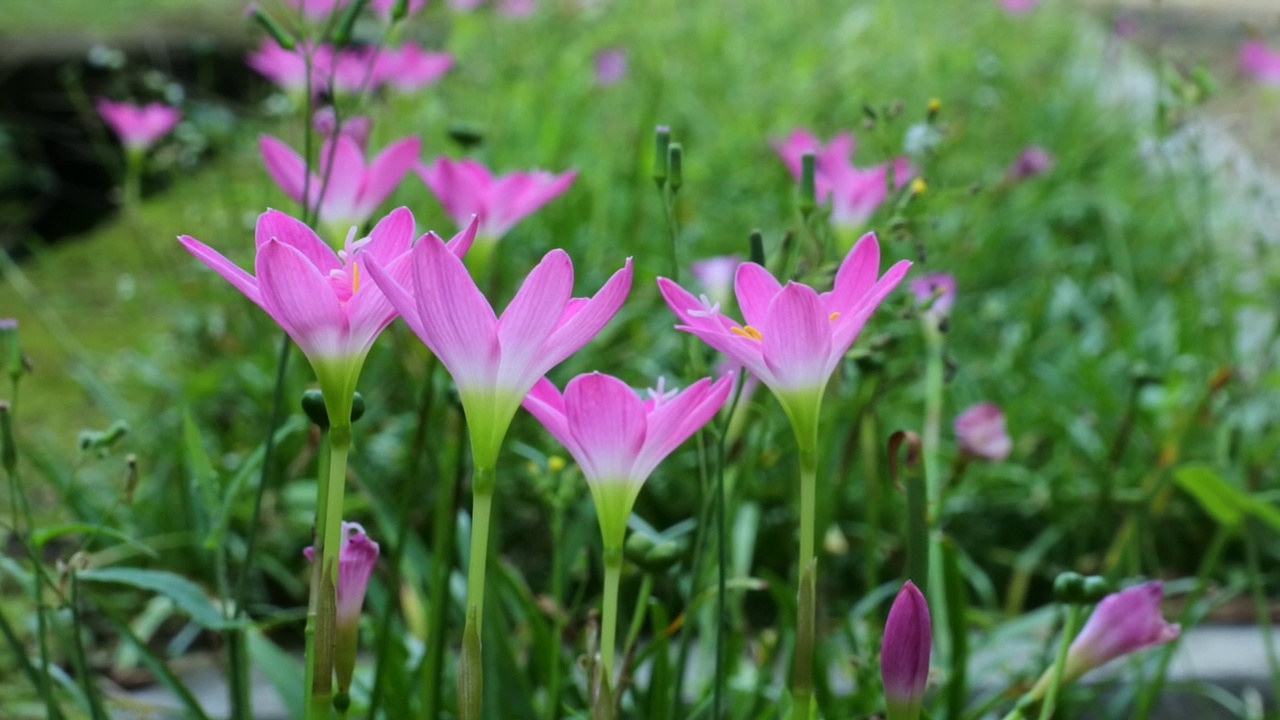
[(935, 294), (344, 30), (1095, 588), (277, 32), (661, 149), (357, 555), (904, 654), (8, 452), (757, 247), (11, 347), (1068, 588), (980, 432), (808, 192), (399, 10), (675, 166)]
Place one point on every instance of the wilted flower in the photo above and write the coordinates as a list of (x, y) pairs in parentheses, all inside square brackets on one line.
[(981, 434), (611, 66), (138, 126), (904, 653), (1033, 160), (1260, 62)]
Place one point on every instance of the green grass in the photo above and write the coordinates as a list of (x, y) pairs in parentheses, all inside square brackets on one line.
[(114, 21)]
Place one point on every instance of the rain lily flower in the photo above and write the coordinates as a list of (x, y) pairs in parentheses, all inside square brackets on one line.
[(286, 68), (1033, 160), (138, 126), (793, 337), (618, 437), (855, 193), (495, 361), (715, 275), (1260, 62), (409, 68), (935, 294), (357, 127), (357, 554), (980, 432), (611, 67), (1123, 623), (319, 297), (466, 188), (1017, 7), (904, 654), (346, 190)]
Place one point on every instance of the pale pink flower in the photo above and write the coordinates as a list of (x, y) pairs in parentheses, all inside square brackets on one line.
[(286, 68), (1017, 7), (980, 432), (1260, 62), (409, 67), (935, 293), (346, 189), (904, 653), (138, 126), (611, 66), (466, 188), (855, 193), (715, 275), (1033, 160), (495, 360)]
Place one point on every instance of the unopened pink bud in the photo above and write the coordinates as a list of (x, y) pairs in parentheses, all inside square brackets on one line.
[(980, 432), (904, 654)]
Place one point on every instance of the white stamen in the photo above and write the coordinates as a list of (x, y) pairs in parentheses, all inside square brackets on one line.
[(660, 394), (707, 310)]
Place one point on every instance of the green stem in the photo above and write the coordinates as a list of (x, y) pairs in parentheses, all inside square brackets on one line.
[(935, 342), (807, 573), (1069, 628), (558, 620), (1260, 604), (609, 611), (324, 575), (446, 525), (722, 563), (132, 183), (482, 483)]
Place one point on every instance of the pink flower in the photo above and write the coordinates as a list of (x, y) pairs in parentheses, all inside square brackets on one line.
[(286, 68), (793, 338), (1260, 62), (138, 126), (904, 653), (855, 193), (350, 71), (1123, 623), (466, 188), (980, 432), (358, 127), (357, 555), (1017, 7), (496, 360), (347, 190), (1033, 160), (618, 438), (409, 67), (935, 294), (318, 296), (715, 275), (611, 67), (517, 8)]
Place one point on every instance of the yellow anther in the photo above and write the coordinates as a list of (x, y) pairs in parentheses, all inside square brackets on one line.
[(355, 277), (747, 332), (833, 316)]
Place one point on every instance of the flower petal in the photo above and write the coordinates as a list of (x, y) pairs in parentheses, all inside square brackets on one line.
[(386, 172), (578, 330), (675, 420), (607, 420), (393, 282), (300, 299), (392, 236), (797, 338), (545, 403), (458, 325), (275, 225), (846, 327), (285, 166), (856, 275), (239, 279), (755, 288), (531, 318)]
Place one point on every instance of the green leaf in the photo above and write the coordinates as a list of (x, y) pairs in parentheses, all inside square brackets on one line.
[(185, 594), (40, 537), (242, 478), (203, 477), (1222, 501)]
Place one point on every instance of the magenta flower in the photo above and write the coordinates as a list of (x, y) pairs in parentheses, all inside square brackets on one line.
[(357, 555), (1123, 623), (466, 188), (286, 68), (855, 193), (1033, 160), (410, 68), (357, 127), (611, 67), (496, 360), (618, 438), (138, 126), (904, 653), (1017, 7), (319, 297), (350, 71), (935, 294), (715, 275), (1260, 62), (980, 432), (346, 190), (793, 337)]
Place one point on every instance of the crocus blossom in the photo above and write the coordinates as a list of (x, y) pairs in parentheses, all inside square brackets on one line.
[(1123, 623), (357, 555), (980, 432), (466, 188), (1260, 62), (904, 653), (346, 190), (1017, 7), (1033, 160), (495, 361), (618, 438), (715, 275), (935, 293), (610, 66), (793, 337), (138, 126), (409, 68), (319, 297), (854, 193)]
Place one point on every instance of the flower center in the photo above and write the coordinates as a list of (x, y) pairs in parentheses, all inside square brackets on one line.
[(707, 310), (747, 332)]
